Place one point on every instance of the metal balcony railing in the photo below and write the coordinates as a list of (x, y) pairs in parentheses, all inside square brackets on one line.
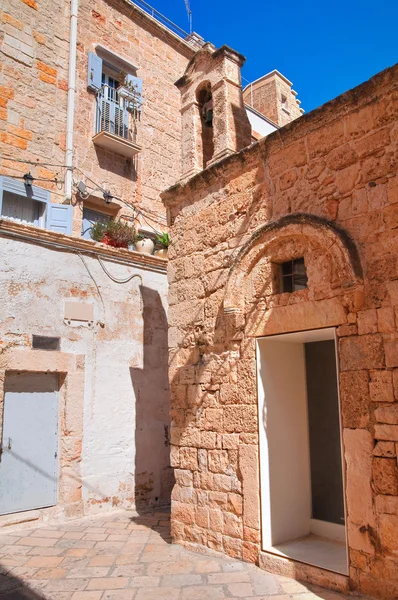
[(112, 115), (144, 6)]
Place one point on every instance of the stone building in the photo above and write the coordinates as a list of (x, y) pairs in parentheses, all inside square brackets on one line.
[(83, 325), (283, 351), (282, 266)]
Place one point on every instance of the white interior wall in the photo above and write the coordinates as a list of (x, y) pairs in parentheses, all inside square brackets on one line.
[(284, 447)]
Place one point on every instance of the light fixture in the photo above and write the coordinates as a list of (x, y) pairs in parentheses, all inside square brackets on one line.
[(108, 197), (28, 179), (81, 187)]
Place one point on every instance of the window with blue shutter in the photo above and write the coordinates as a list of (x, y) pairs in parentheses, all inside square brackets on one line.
[(59, 218), (113, 109), (31, 205), (90, 218), (94, 73)]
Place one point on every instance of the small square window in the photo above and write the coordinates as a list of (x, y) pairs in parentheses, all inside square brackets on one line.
[(293, 275)]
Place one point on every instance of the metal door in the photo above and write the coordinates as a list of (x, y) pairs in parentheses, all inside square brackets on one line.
[(28, 461)]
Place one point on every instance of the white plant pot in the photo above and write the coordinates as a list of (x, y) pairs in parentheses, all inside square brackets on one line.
[(145, 246), (162, 253), (126, 93)]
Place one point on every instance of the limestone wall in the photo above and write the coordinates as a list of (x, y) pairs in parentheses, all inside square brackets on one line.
[(324, 187), (33, 89), (160, 59), (113, 441)]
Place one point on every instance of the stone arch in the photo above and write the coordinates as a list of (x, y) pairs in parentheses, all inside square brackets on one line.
[(332, 240)]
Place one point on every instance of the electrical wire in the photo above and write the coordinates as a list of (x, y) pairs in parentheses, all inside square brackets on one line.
[(114, 278), (95, 283), (33, 162), (40, 179), (141, 211)]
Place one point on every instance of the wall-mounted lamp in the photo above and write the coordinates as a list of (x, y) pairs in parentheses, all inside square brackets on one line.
[(108, 197), (28, 179)]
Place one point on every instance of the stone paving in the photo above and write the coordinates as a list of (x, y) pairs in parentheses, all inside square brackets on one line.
[(122, 556)]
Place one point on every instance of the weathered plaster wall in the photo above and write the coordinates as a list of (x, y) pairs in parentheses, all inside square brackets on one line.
[(160, 59), (33, 88), (114, 430), (324, 187)]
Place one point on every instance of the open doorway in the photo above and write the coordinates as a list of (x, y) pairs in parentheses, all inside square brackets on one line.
[(302, 488)]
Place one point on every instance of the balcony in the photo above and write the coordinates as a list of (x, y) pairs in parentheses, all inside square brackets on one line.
[(115, 128)]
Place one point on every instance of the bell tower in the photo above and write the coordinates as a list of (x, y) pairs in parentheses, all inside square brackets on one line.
[(214, 120)]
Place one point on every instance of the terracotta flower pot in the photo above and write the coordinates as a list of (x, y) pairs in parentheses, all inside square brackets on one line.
[(145, 246)]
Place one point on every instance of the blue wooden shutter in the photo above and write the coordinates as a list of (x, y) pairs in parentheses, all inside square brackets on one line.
[(94, 73), (136, 83), (59, 218)]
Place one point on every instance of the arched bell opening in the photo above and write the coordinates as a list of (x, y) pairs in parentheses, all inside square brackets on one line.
[(205, 103)]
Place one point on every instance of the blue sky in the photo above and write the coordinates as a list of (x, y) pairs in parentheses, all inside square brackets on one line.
[(324, 48)]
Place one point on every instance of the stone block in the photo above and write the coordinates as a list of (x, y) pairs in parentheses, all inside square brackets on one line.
[(387, 504), (391, 349), (185, 513), (386, 432), (218, 461), (233, 525), (248, 465), (230, 441), (188, 458), (216, 520), (388, 532), (387, 414), (354, 395), (385, 476), (358, 453), (395, 382), (240, 418), (380, 386), (232, 546), (218, 499), (385, 449), (235, 504), (385, 320), (367, 321), (362, 352)]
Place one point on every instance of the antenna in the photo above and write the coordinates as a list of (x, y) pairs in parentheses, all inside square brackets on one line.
[(189, 13)]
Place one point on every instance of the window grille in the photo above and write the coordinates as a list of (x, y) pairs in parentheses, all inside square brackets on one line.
[(293, 275)]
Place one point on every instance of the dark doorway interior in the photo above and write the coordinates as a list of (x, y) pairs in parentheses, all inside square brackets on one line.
[(324, 432)]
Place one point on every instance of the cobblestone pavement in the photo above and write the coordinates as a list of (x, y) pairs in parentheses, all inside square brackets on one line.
[(124, 557)]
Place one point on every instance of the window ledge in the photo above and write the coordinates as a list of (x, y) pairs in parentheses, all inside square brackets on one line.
[(116, 144), (69, 243)]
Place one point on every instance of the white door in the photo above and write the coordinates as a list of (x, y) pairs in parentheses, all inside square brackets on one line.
[(28, 461)]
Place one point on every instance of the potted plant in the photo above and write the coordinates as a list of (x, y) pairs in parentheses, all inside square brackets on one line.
[(128, 91), (163, 240), (144, 244), (114, 233)]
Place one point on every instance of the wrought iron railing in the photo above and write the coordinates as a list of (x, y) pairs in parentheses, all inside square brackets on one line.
[(112, 114), (161, 18)]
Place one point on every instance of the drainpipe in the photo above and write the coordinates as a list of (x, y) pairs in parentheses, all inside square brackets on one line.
[(70, 111)]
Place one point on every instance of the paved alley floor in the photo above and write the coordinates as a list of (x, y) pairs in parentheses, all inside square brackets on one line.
[(125, 557)]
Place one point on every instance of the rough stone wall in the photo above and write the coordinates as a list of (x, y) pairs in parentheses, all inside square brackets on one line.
[(114, 392), (161, 60), (33, 88), (325, 187), (266, 94)]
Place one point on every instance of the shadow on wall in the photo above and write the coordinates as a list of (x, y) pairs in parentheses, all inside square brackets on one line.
[(119, 165), (154, 478)]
